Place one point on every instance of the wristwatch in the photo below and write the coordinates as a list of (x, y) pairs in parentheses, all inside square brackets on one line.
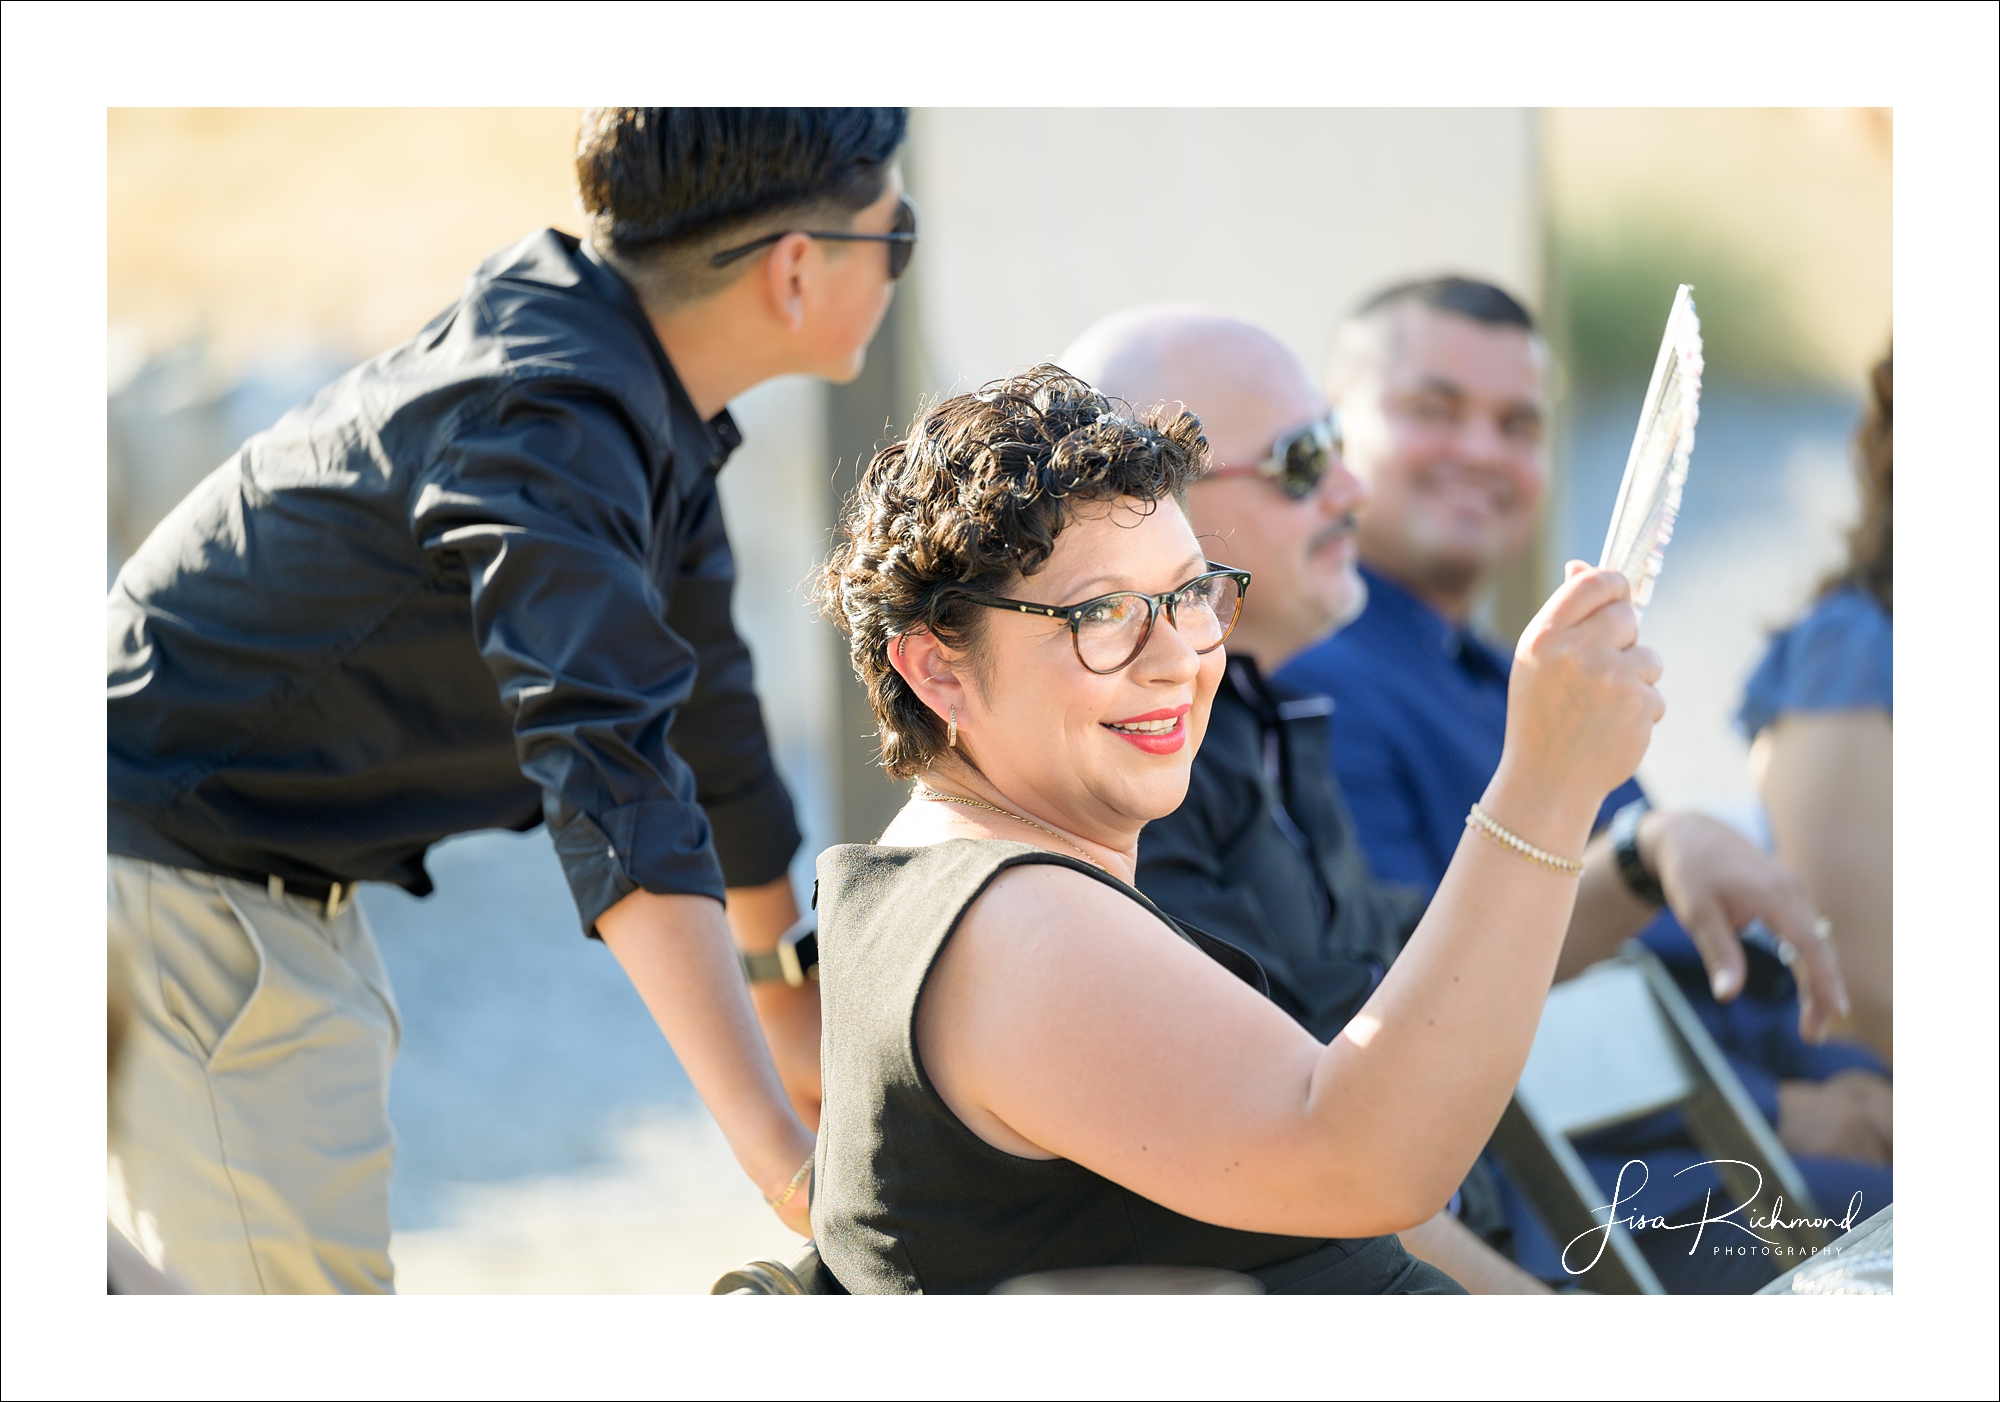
[(795, 960), (1625, 846)]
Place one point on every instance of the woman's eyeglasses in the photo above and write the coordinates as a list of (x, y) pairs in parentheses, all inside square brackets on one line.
[(902, 240), (1109, 632), (1298, 460)]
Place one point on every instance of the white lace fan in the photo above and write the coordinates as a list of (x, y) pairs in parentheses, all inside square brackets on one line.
[(1650, 496)]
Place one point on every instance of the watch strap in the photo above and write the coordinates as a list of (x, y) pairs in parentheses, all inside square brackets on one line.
[(1625, 848), (793, 962)]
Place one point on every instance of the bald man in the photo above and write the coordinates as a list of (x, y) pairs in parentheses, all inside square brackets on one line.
[(1262, 852)]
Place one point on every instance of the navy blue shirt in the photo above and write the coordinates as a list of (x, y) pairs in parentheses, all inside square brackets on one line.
[(1840, 657), (1421, 714), (480, 581), (1419, 722)]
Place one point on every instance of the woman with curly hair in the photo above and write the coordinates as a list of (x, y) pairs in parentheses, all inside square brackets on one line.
[(1818, 713), (1027, 1065)]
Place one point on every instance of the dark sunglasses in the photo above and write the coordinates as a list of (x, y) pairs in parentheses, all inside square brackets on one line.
[(902, 241), (1110, 631), (1298, 460)]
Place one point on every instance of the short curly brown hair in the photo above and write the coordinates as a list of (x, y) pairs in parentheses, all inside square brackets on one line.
[(970, 502)]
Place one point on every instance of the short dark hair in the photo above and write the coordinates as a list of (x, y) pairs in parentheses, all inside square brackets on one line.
[(969, 502), (1461, 296), (1357, 341), (662, 186)]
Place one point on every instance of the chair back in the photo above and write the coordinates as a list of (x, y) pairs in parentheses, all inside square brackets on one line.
[(1605, 1052), (1616, 1043)]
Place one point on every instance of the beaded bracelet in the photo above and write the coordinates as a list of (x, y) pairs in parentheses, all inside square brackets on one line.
[(1563, 866), (791, 1188)]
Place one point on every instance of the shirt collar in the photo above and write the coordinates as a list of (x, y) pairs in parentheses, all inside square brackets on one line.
[(1393, 607), (1271, 699), (699, 444)]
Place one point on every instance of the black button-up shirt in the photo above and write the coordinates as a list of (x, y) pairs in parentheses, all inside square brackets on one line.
[(1262, 853), (480, 581)]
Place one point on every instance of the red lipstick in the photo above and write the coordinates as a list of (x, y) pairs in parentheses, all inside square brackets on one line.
[(1160, 732)]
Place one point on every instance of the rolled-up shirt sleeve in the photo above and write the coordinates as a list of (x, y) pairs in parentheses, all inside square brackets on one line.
[(543, 499)]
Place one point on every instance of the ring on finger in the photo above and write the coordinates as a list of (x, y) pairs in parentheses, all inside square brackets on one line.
[(1787, 952), (1822, 928)]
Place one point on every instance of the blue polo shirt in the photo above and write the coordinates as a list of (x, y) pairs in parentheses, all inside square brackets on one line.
[(1420, 717)]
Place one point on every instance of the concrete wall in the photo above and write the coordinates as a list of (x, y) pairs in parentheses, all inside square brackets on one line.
[(1038, 222)]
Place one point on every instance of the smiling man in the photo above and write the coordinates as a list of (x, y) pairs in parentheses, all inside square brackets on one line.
[(1442, 388)]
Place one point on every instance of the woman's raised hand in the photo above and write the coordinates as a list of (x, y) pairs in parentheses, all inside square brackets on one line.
[(1581, 704)]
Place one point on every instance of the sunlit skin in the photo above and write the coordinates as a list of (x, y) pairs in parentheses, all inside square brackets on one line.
[(1063, 1021), (1446, 427), (803, 307), (1826, 781), (1102, 783)]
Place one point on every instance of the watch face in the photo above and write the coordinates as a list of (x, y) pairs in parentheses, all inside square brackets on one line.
[(1625, 847)]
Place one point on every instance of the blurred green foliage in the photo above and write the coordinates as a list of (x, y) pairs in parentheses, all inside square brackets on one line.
[(1611, 291)]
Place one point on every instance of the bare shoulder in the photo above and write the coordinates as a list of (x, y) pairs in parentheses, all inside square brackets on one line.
[(1064, 1019), (1031, 912), (1044, 940)]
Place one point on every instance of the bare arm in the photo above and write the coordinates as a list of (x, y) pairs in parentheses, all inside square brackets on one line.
[(1826, 783), (678, 954), (1064, 1021), (1716, 883), (758, 915), (1455, 1249)]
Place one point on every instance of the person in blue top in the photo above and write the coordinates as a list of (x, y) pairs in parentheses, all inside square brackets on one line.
[(1442, 390), (1817, 712)]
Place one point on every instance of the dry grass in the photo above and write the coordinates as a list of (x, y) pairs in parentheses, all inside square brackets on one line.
[(344, 226)]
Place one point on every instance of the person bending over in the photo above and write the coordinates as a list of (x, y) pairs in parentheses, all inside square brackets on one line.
[(1263, 852), (1028, 1065), (478, 582), (1442, 389)]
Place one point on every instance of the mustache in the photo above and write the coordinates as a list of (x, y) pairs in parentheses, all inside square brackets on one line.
[(1334, 532)]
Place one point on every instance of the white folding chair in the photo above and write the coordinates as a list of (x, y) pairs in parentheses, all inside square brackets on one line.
[(1615, 1043)]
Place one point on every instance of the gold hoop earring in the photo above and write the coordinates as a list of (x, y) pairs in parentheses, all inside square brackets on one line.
[(951, 737)]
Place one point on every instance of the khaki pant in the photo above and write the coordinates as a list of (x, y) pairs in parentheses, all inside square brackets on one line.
[(251, 1145)]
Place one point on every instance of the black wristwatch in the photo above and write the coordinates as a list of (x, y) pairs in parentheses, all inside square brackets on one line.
[(1625, 846), (795, 960)]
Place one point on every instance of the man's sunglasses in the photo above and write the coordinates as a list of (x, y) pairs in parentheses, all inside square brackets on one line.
[(1109, 632), (1298, 459), (902, 240)]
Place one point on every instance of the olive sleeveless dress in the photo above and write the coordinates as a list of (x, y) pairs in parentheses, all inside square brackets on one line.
[(907, 1200)]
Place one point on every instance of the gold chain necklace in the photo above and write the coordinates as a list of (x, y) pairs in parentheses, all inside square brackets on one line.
[(925, 791)]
